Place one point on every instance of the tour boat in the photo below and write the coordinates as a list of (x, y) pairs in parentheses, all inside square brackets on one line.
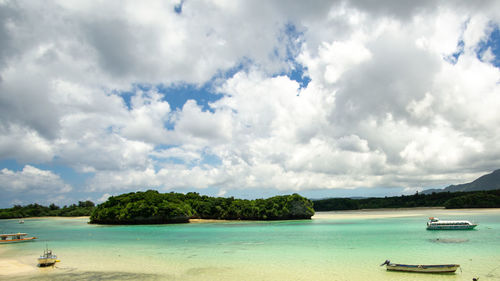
[(436, 224), (47, 258), (434, 268), (15, 238)]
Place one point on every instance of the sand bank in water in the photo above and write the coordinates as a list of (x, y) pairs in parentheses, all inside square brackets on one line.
[(52, 217), (402, 212)]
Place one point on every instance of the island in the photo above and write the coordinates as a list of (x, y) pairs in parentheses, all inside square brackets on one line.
[(153, 207)]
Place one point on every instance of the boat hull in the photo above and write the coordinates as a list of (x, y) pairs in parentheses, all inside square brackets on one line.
[(46, 261), (450, 227), (7, 241), (437, 224), (444, 268)]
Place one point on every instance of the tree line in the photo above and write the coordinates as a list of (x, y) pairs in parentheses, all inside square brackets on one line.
[(154, 207), (449, 200), (83, 208)]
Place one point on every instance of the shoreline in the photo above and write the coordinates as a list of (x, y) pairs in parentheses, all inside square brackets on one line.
[(49, 217), (399, 212), (412, 209), (359, 213)]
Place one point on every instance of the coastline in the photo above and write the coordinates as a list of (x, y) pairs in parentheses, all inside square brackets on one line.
[(340, 214), (400, 212), (50, 217), (210, 221)]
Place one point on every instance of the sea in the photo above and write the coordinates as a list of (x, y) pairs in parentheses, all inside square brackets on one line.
[(347, 245)]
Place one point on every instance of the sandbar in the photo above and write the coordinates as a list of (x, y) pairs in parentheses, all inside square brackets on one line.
[(402, 212), (210, 220), (51, 217)]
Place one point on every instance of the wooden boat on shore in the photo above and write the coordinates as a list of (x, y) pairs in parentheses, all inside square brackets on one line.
[(47, 259), (15, 238), (437, 224), (421, 268)]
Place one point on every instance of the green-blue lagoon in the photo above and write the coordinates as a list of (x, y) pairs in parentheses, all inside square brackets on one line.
[(332, 246)]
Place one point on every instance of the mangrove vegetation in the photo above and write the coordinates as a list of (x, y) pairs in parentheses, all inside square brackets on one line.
[(152, 207)]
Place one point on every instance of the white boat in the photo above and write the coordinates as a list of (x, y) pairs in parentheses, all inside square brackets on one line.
[(15, 238), (47, 258), (437, 224), (421, 268)]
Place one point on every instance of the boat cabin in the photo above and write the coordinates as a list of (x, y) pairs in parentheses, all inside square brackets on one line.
[(12, 236)]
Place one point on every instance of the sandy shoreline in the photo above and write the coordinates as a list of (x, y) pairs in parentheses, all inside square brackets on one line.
[(14, 267), (210, 220), (402, 212), (361, 214), (51, 217)]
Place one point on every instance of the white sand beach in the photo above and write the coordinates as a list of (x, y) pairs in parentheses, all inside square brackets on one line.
[(12, 266), (402, 212)]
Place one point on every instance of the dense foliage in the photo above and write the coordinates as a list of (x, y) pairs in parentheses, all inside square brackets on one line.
[(142, 208), (84, 208), (450, 200), (274, 208), (475, 200), (154, 207)]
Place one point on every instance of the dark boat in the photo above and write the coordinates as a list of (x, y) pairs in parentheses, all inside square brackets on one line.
[(422, 268)]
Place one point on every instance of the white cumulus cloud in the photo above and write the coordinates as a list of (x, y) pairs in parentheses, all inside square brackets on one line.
[(397, 94), (32, 180)]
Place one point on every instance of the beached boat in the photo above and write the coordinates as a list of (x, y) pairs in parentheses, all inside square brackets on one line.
[(15, 238), (437, 224), (421, 268), (48, 258)]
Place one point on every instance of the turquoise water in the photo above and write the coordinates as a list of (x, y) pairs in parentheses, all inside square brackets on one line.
[(332, 246)]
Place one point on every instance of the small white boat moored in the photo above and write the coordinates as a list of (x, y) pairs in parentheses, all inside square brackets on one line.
[(47, 258), (421, 268), (437, 224)]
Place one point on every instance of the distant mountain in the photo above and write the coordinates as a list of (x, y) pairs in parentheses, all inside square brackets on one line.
[(486, 182)]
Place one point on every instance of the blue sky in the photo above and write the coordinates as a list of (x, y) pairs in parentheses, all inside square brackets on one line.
[(246, 99)]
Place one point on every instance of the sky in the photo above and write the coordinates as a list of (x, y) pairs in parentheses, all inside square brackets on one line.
[(249, 99)]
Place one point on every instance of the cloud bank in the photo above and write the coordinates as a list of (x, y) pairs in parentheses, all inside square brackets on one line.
[(285, 95)]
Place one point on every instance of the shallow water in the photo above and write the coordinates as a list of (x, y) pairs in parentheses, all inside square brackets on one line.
[(332, 246)]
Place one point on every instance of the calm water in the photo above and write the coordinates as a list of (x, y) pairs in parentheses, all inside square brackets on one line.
[(332, 246)]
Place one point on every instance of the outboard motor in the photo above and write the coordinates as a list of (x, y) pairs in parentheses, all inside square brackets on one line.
[(386, 262)]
